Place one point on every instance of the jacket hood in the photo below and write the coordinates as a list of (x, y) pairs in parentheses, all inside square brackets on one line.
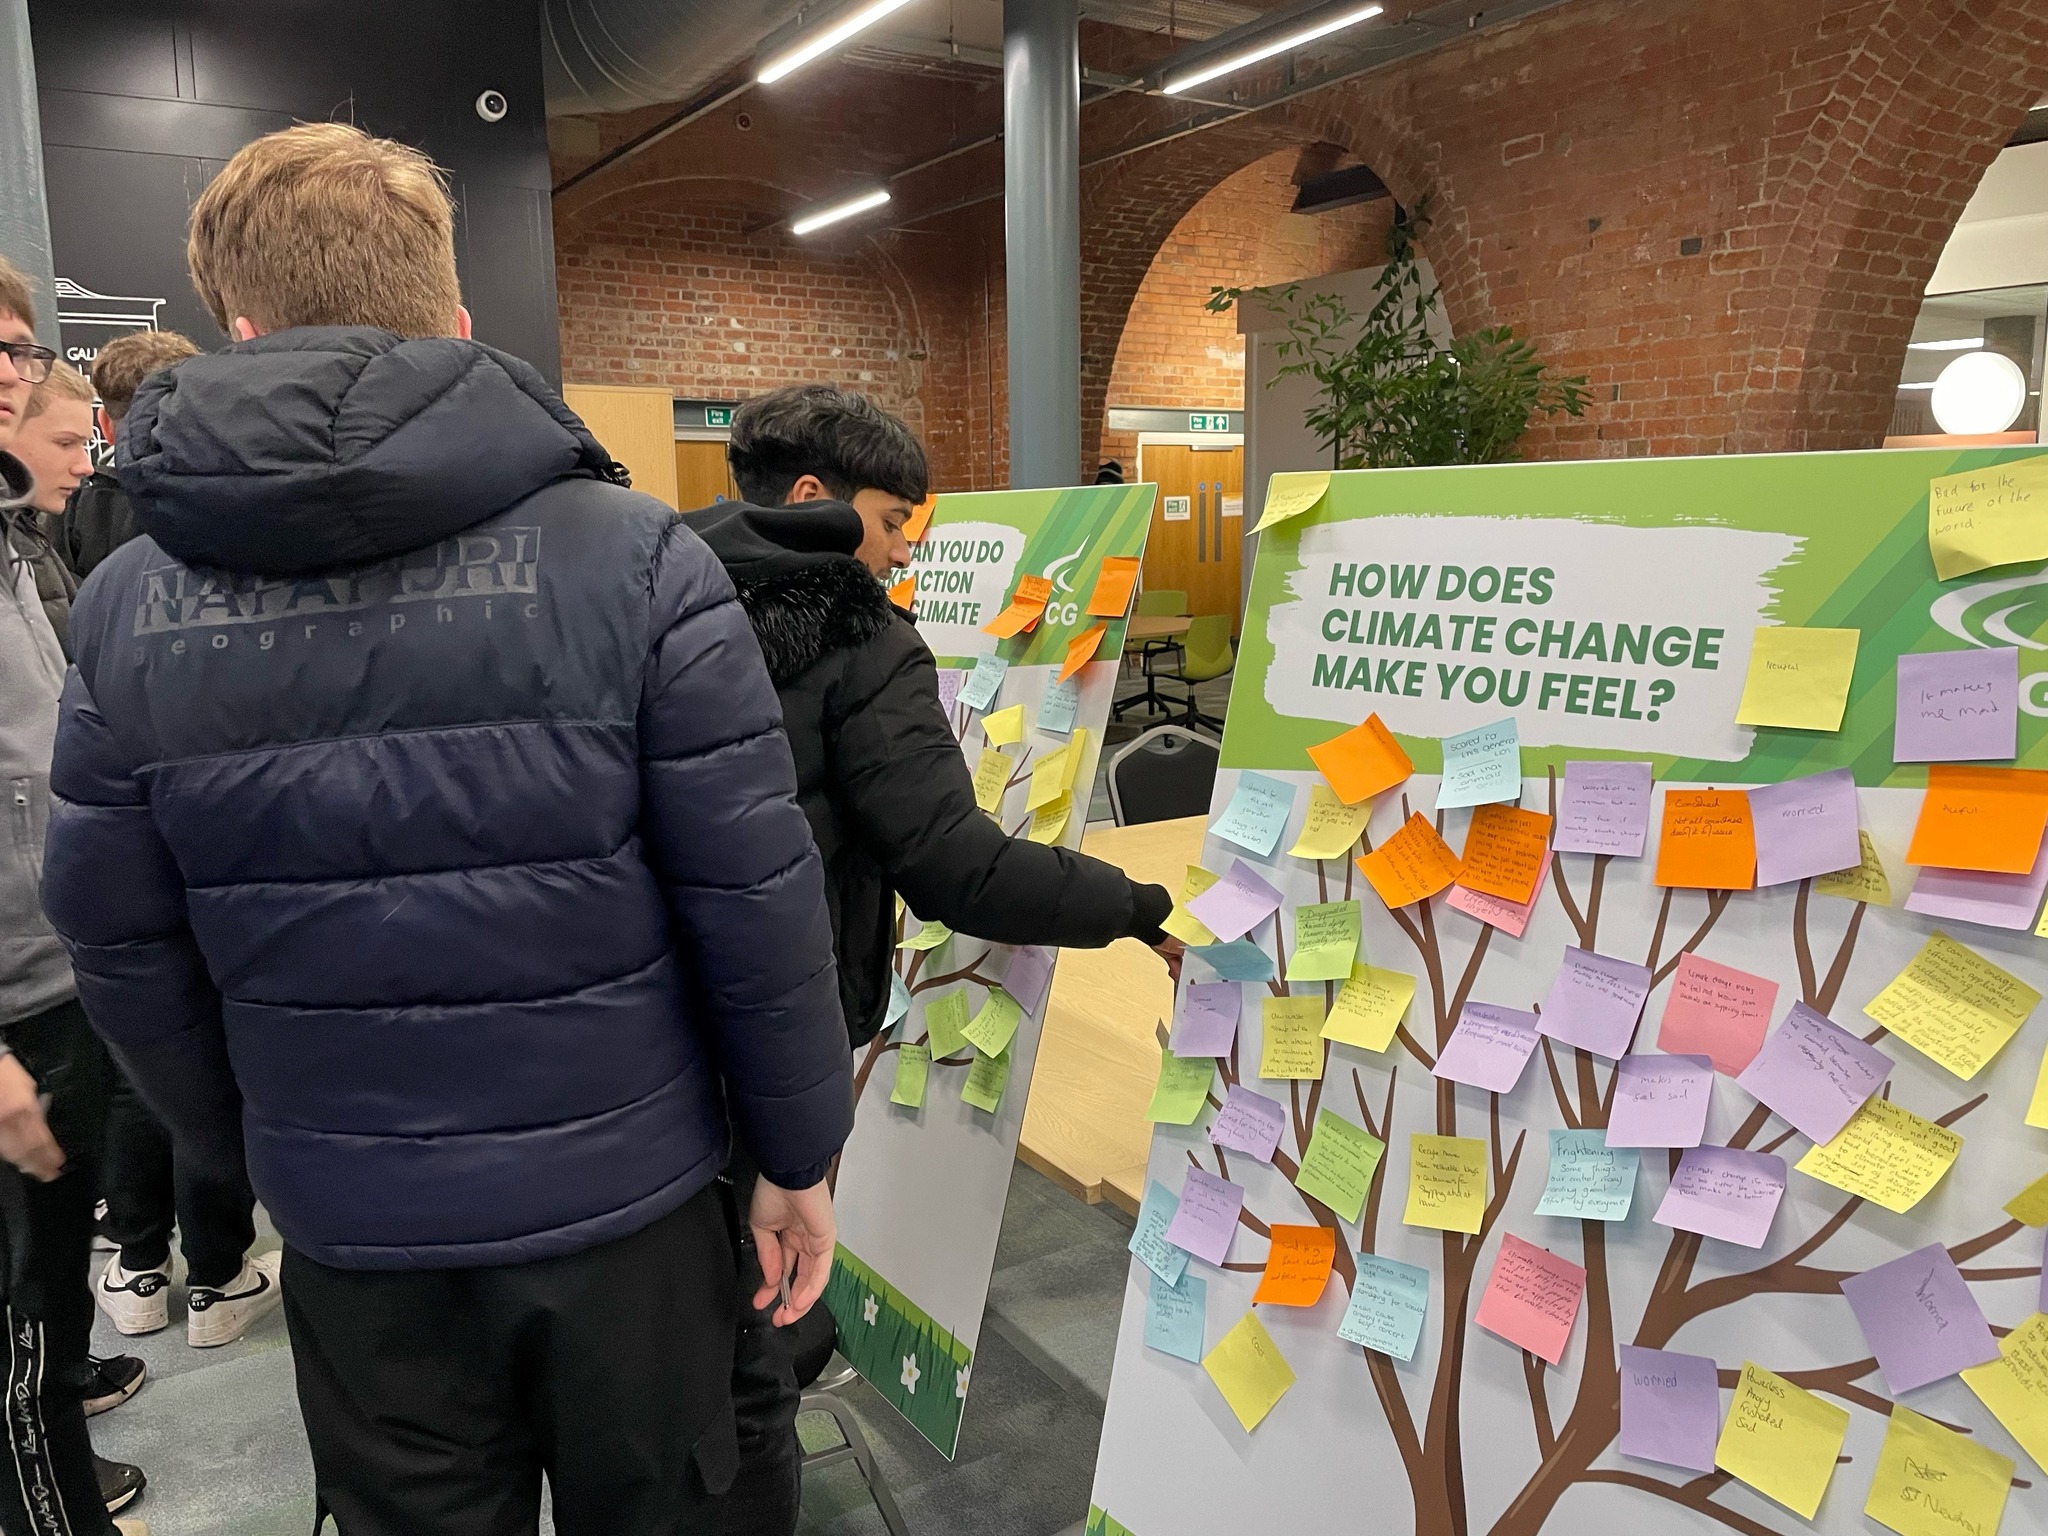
[(16, 486), (322, 447)]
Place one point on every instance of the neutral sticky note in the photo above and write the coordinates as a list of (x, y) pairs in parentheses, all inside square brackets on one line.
[(1954, 1005), (1292, 1044), (1972, 896), (1412, 865), (1958, 706), (1249, 1371), (1603, 808), (2030, 1206), (2015, 1386), (1026, 608), (1805, 827), (1236, 904), (1389, 1302), (1724, 1192), (1886, 1154), (929, 935), (1174, 1315), (1489, 1047), (1670, 1407), (1326, 935), (1866, 882), (1298, 1264), (1707, 841), (983, 683), (945, 1022), (1716, 1011), (1481, 766), (1208, 1018), (913, 1070), (1997, 515), (1369, 1007), (1148, 1240), (1257, 813), (1291, 493), (1028, 976), (1183, 924), (1239, 960), (1814, 1073), (1511, 918), (1114, 583), (1182, 1088), (1931, 1481), (1588, 1179), (1446, 1182), (1004, 727), (1049, 822), (1505, 848), (994, 1024), (991, 778), (1338, 1166), (1919, 1318), (1781, 1439), (1798, 678), (1364, 761), (1981, 818), (1532, 1298), (1331, 827), (1057, 707), (1081, 650), (1249, 1122), (985, 1081), (1595, 1002), (1207, 1216), (1660, 1101)]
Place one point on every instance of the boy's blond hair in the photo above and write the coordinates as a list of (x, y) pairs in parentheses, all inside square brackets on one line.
[(17, 293), (126, 361), (322, 224), (64, 383)]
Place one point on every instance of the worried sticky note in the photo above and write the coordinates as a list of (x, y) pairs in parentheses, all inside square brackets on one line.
[(1326, 938), (1931, 1481), (985, 1082), (1291, 493), (1603, 808), (1660, 1101), (2015, 1386), (1364, 761), (1958, 706), (1504, 852), (1532, 1298), (1057, 707), (1004, 727), (1236, 904), (1148, 1242), (1114, 583), (1981, 818), (913, 1070), (1338, 1166), (1183, 924), (1866, 881), (983, 683), (1798, 678), (1207, 1216), (1249, 1371), (1292, 1043), (1716, 1011), (1412, 865), (1257, 813), (1446, 1182), (1707, 841), (1297, 1266), (1481, 766), (1249, 1122), (1997, 515), (1781, 1439), (1724, 1192), (945, 1022), (1489, 1047), (1886, 1154), (1919, 1318), (1331, 827), (1389, 1303), (1174, 1316), (1670, 1407), (1026, 608), (1182, 1088), (1595, 1002), (1081, 650), (1954, 1005), (1972, 896), (991, 778), (1804, 827), (1208, 1018), (1814, 1073), (994, 1024), (1511, 918), (929, 935), (1239, 960), (1369, 1007), (1589, 1180)]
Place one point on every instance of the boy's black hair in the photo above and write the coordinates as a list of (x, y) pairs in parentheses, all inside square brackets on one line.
[(846, 440)]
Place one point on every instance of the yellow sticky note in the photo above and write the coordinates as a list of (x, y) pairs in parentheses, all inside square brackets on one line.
[(913, 1071), (991, 778), (1049, 822), (1798, 678), (1291, 494), (1866, 882), (929, 936), (1005, 727), (1369, 1007), (2015, 1386), (2030, 1206), (1182, 923), (1292, 1047), (2037, 1107), (1446, 1182), (1781, 1439), (1931, 1481), (1054, 774), (1331, 826), (1886, 1154), (1987, 517), (1182, 1089), (1249, 1371), (1954, 1005)]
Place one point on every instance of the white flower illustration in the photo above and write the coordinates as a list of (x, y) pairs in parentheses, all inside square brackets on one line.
[(910, 1374), (960, 1382), (868, 1309)]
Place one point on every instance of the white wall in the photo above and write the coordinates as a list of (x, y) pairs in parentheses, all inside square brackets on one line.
[(2001, 241)]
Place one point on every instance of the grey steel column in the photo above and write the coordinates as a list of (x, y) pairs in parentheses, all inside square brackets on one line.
[(1042, 238), (24, 215)]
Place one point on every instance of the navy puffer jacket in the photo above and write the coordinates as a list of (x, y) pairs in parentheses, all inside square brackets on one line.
[(423, 810)]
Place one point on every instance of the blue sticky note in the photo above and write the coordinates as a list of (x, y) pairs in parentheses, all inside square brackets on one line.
[(899, 1001), (979, 691), (1173, 1320), (1482, 766), (1588, 1178), (1056, 709), (1148, 1242), (1389, 1300), (1257, 813), (1239, 960)]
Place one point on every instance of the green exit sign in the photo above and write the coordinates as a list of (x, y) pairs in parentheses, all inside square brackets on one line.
[(1209, 421), (717, 415)]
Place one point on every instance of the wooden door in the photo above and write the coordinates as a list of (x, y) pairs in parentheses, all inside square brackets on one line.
[(1197, 541), (636, 423), (702, 475)]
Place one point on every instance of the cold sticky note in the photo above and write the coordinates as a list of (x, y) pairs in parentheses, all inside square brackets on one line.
[(1595, 1002), (1326, 938), (1364, 761), (1004, 727), (1292, 1043), (1716, 1011), (1489, 1047), (1781, 1439), (1660, 1101), (913, 1069), (1931, 1481), (1257, 813), (929, 935), (1446, 1182), (945, 1022), (1886, 1154), (1972, 896), (1249, 1371), (1724, 1192), (1867, 881), (1958, 706), (1997, 515), (1297, 1266), (1603, 808), (1113, 586), (1239, 960), (1511, 918), (1481, 766), (1919, 1318), (1249, 1122), (1291, 493), (1026, 608), (1504, 852), (1148, 1241), (1208, 1018), (1338, 1166), (1057, 707), (1028, 976), (1183, 924), (2030, 1206), (1369, 1007), (1236, 904), (1588, 1179), (1814, 1073), (985, 1081), (991, 778), (1412, 865), (979, 691), (1532, 1298), (1804, 827), (1981, 818), (1954, 1005), (1798, 678), (1173, 1316), (994, 1024), (1182, 1089), (1207, 1216), (1330, 827), (1389, 1302), (2015, 1386), (1707, 841), (1670, 1407), (1081, 650)]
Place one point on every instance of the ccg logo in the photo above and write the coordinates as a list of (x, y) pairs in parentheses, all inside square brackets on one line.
[(1996, 613)]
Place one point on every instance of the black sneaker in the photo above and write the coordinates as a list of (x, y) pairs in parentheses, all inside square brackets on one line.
[(120, 1484), (112, 1382)]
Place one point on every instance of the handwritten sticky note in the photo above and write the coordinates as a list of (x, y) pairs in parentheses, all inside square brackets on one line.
[(945, 1022), (1114, 583), (985, 1081), (1297, 1266), (1208, 1018), (1511, 918), (1446, 1182), (1249, 1122), (1504, 852), (995, 1023), (1798, 678), (1338, 1166), (1369, 1007), (1081, 650), (1814, 1073), (1292, 1047), (1257, 813), (1174, 1316), (1239, 960), (1290, 494), (1972, 896), (1954, 1005), (979, 691), (1931, 1481), (1026, 608), (950, 679), (1589, 1180), (1781, 1439), (1148, 1242), (1330, 827), (1057, 707), (1603, 808), (2015, 1386), (1183, 924), (1028, 976), (1919, 1318), (1670, 1407), (2037, 1105), (1389, 1303), (1361, 763), (929, 935), (2030, 1206), (1886, 1154), (991, 778), (1489, 1047), (1236, 904), (1207, 1216), (1326, 937), (1958, 706), (1481, 766), (1595, 1002), (1182, 1088), (1716, 1011), (1532, 1298), (913, 1070), (1707, 841), (1249, 1371), (1660, 1101), (1804, 827), (1867, 881), (1724, 1192), (1049, 822), (1997, 515), (1053, 774), (1412, 865), (1981, 818), (1004, 727)]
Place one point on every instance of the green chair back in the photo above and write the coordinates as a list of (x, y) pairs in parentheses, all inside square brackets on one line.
[(1162, 604), (1209, 652)]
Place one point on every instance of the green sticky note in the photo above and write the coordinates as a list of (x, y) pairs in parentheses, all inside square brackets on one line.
[(913, 1070), (1325, 941), (991, 1030), (930, 936), (985, 1080), (945, 1022), (1183, 1088), (1338, 1167)]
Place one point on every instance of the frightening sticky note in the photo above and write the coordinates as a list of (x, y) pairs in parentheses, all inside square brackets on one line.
[(1595, 1002), (1798, 678), (1489, 1047), (1446, 1182), (1174, 1316), (913, 1070), (983, 683), (1389, 1303), (1532, 1298), (1981, 818), (1028, 976), (1004, 727), (1481, 766), (991, 778), (1670, 1407), (1603, 808), (1724, 1192), (1716, 1011), (1292, 1043), (1183, 924), (1781, 1439), (1249, 1371), (1361, 763), (1182, 1088), (1412, 865), (945, 1022), (1249, 1122), (985, 1082), (994, 1024), (1114, 583), (1208, 1018), (1660, 1101), (1239, 960), (1331, 827), (1207, 1216), (1369, 1007), (1931, 1481), (1511, 918), (2015, 1386), (1291, 493), (1026, 608), (1049, 822), (1867, 881), (1997, 515), (1081, 650), (1707, 841), (1886, 1154), (1958, 706), (929, 935), (1297, 1266), (2030, 1206), (1338, 1166), (1257, 813), (1805, 827), (1236, 904), (1954, 1005), (1326, 938), (1148, 1242), (1504, 852), (1814, 1073), (1057, 707), (1919, 1318), (1972, 896), (1589, 1180)]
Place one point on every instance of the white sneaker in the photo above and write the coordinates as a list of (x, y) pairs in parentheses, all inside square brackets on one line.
[(138, 1300), (131, 1528), (220, 1316)]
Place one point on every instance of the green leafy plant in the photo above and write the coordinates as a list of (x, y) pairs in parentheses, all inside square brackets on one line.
[(1388, 393)]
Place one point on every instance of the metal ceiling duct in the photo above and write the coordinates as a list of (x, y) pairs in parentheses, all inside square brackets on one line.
[(614, 55)]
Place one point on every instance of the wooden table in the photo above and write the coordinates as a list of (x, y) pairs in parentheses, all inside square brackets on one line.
[(1084, 1125), (1141, 627)]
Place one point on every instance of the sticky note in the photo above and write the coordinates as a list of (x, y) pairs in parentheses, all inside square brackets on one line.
[(1081, 650), (1004, 727), (1181, 923), (1369, 1007), (1670, 1407), (1589, 1180), (994, 1024), (1049, 822), (1290, 494), (2015, 1387), (1326, 935), (929, 935), (1603, 808), (991, 778), (1362, 762), (2037, 1105), (1919, 1318), (1814, 1073), (1707, 841), (1148, 1242), (1957, 706), (1389, 1303), (1331, 827), (1053, 774), (1207, 1216), (985, 1081), (1781, 1439), (1931, 1481), (1114, 583), (899, 1001), (1249, 1371), (1489, 1047), (1954, 1005), (1257, 813), (1239, 960), (1446, 1182), (1298, 1264), (1028, 976), (1886, 1154), (1026, 608), (1532, 1298), (1292, 1043), (1057, 707), (945, 1022), (1798, 678), (2030, 1206), (919, 520), (1511, 918), (983, 683), (1481, 766), (1972, 896), (950, 679), (1174, 1316), (913, 1070), (1182, 1088), (1660, 1101), (1716, 1011), (1595, 1002), (1338, 1166), (1236, 904), (1249, 1122), (1504, 852), (904, 593), (1866, 882), (1804, 827), (1997, 515), (1724, 1192), (1412, 865), (1208, 1018), (1981, 818)]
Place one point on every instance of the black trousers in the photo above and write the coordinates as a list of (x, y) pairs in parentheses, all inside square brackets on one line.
[(47, 1483), (435, 1400), (148, 1192)]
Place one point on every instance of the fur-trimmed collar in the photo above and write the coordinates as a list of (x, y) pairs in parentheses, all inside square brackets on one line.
[(810, 608)]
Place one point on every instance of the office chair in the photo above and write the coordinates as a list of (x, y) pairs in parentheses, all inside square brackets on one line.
[(1168, 772)]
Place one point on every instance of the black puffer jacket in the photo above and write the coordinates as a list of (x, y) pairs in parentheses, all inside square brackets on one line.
[(880, 774)]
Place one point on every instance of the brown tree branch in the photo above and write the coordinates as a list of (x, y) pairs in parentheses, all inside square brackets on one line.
[(1701, 1501), (1539, 1404)]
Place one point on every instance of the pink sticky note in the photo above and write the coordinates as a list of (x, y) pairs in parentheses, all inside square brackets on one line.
[(1725, 1192), (1974, 896), (1920, 1318), (1208, 1019), (1206, 1217), (1660, 1101), (1805, 827), (1957, 706), (1249, 1122), (1814, 1073), (1595, 1002), (1236, 904), (1028, 976), (1510, 917), (1489, 1047), (1532, 1299), (1716, 1011)]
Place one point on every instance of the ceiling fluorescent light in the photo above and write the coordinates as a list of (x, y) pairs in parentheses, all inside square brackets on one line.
[(1201, 74), (805, 223), (825, 39), (1960, 344)]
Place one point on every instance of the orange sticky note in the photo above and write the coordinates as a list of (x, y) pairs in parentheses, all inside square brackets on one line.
[(1081, 650), (920, 519), (1707, 841), (1027, 607), (1113, 586), (1504, 852), (1981, 818), (904, 593), (1412, 865), (1363, 761), (1297, 1266)]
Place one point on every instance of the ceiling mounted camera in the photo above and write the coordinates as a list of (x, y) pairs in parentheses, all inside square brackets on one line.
[(491, 106)]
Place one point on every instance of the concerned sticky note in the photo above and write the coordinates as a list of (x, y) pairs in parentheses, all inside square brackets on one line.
[(1589, 1180), (1511, 918), (1716, 1011), (1958, 706), (1290, 494), (1249, 1371), (1660, 1101), (1249, 1122), (1489, 1047), (1292, 1043), (1670, 1407), (1798, 678), (1028, 976), (1866, 882), (979, 691), (1446, 1182), (1595, 1002), (1338, 1166), (1707, 841), (994, 1025), (1331, 827), (1814, 1073), (1389, 1302), (1724, 1192), (985, 1081), (1412, 865), (1182, 1089), (2015, 1386), (991, 778), (1297, 1266), (1603, 808), (1257, 813), (1207, 1216), (1919, 1318), (1886, 1154), (1114, 583), (1326, 938), (945, 1022), (1931, 1481), (1954, 1005), (1026, 608), (1174, 1316), (1781, 1439), (1004, 727), (1183, 924), (1981, 818), (1148, 1241), (1805, 827), (1236, 904), (1505, 850), (1481, 766), (913, 1070), (1209, 1013), (1997, 515), (1081, 650), (1361, 763), (1369, 1007), (1532, 1298)]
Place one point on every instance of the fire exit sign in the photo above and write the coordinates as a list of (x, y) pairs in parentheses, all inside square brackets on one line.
[(1209, 421), (717, 415)]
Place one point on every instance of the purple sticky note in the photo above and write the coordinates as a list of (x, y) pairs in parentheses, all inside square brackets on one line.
[(1206, 1217), (1595, 1002), (1805, 827), (1670, 1407), (950, 679), (1489, 1047), (1604, 808), (1249, 1122), (1236, 904), (1814, 1073), (1028, 976), (1726, 1193), (1660, 1101), (1919, 1318), (1957, 706), (1975, 896), (1208, 1019)]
